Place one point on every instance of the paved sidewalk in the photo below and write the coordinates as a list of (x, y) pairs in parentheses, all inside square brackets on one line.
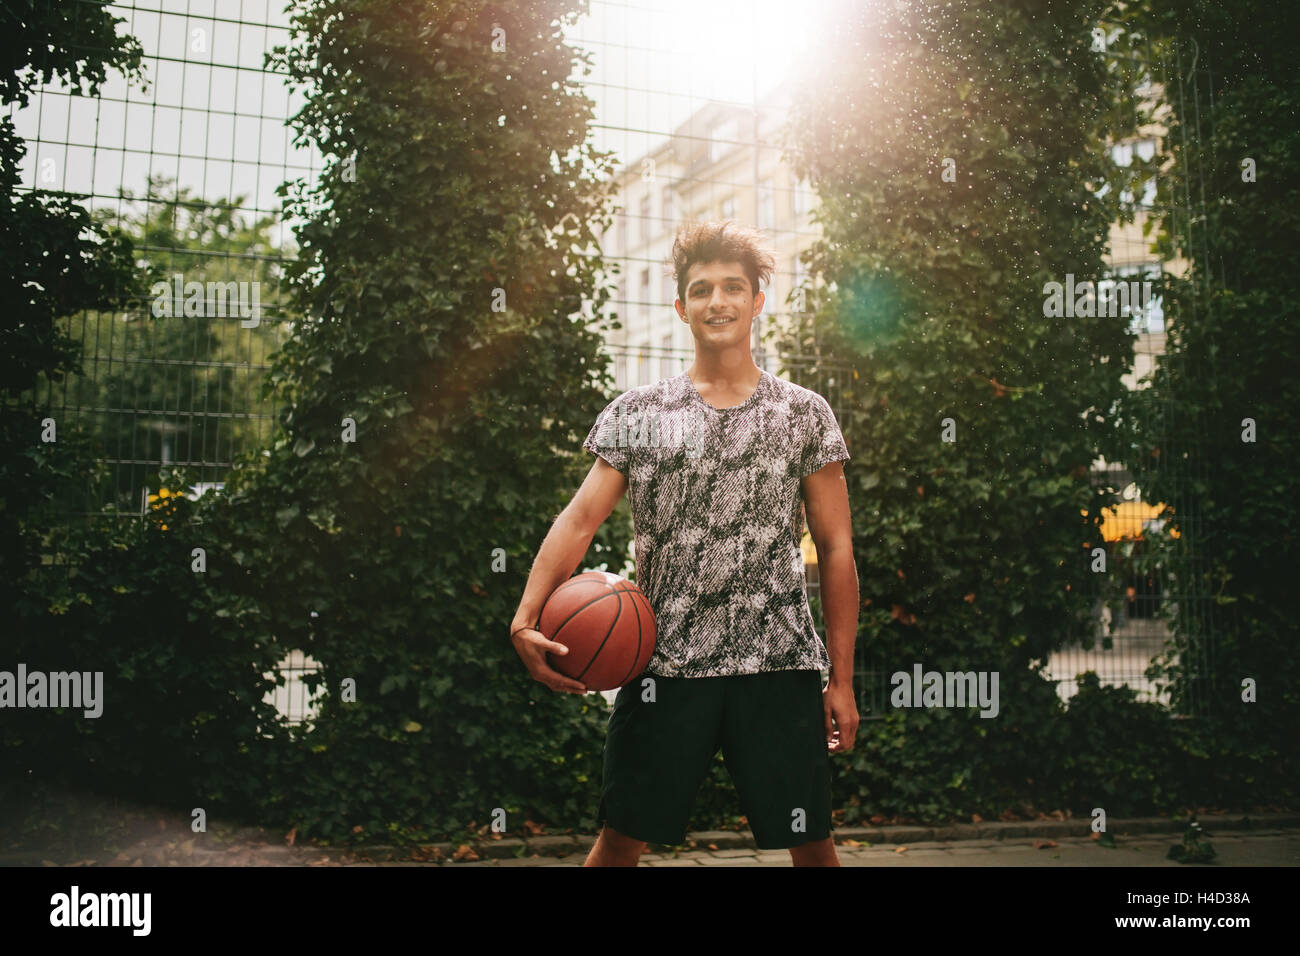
[(1239, 840), (1277, 848)]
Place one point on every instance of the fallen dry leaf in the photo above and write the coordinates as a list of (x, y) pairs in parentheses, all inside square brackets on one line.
[(713, 846), (534, 829), (900, 849), (851, 843), (976, 818), (1042, 844), (291, 836), (464, 852)]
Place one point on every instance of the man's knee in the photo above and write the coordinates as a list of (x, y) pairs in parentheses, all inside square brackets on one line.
[(815, 853), (615, 849), (622, 842)]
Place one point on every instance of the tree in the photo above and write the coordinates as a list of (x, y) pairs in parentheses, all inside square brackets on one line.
[(179, 699), (59, 263), (958, 152), (1214, 436), (436, 393), (185, 380)]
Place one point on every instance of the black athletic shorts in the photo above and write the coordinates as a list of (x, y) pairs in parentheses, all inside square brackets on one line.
[(772, 731)]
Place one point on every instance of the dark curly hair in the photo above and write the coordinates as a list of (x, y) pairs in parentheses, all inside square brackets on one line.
[(724, 241)]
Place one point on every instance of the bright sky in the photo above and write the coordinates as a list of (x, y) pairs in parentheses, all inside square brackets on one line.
[(655, 62)]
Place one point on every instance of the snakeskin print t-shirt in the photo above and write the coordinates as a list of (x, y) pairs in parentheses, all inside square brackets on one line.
[(717, 513)]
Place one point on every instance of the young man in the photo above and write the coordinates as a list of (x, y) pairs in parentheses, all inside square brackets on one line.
[(737, 662)]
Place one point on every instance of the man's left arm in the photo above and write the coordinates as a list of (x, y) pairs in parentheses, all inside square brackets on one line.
[(826, 505)]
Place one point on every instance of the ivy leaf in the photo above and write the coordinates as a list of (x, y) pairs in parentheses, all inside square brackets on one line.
[(323, 518)]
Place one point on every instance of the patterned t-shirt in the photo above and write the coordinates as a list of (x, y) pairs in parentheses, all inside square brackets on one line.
[(717, 513)]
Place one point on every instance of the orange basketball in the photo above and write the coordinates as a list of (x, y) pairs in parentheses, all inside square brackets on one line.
[(607, 625)]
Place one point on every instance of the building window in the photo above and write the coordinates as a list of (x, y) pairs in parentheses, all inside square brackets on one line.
[(729, 208), (1146, 313), (643, 364), (665, 357), (802, 198), (799, 304), (645, 218), (666, 206), (1122, 154), (722, 138), (669, 290), (622, 235), (1148, 192), (620, 372), (766, 205)]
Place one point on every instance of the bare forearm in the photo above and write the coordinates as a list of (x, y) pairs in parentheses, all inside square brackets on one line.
[(556, 560), (838, 573)]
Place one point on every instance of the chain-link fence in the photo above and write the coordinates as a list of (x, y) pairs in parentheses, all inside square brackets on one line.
[(190, 168), (1154, 573)]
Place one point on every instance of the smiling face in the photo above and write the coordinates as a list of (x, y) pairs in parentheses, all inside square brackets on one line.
[(720, 305)]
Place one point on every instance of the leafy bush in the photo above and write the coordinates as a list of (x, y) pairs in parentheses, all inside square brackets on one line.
[(1233, 335), (971, 553), (445, 284)]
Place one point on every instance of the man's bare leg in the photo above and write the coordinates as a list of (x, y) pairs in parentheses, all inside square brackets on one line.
[(614, 849), (817, 853)]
